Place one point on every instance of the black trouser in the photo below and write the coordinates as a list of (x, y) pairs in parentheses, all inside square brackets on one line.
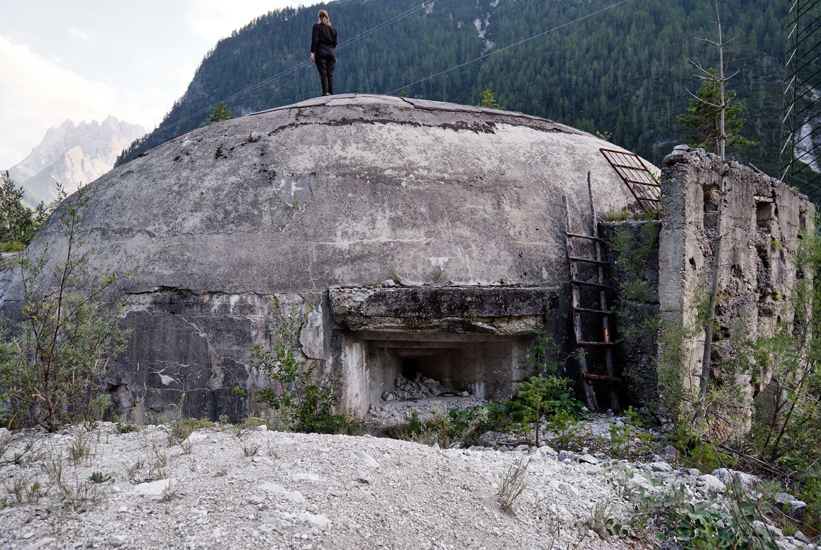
[(325, 65)]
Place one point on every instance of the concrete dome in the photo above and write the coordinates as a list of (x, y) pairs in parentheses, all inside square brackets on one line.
[(347, 190)]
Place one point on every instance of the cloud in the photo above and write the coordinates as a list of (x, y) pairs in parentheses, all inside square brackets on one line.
[(215, 19), (79, 33), (36, 93)]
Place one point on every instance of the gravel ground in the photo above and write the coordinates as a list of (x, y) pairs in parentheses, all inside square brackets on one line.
[(265, 489)]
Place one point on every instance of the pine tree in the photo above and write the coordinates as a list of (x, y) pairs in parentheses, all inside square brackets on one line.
[(488, 100), (220, 112), (703, 116)]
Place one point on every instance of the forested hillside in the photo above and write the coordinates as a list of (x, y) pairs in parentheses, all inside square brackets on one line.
[(623, 71)]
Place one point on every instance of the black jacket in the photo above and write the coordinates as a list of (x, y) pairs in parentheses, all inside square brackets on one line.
[(323, 40)]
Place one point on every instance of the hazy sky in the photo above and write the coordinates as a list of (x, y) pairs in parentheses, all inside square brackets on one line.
[(87, 59)]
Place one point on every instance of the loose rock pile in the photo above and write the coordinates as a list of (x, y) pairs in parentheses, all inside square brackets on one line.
[(397, 412), (261, 489), (420, 388)]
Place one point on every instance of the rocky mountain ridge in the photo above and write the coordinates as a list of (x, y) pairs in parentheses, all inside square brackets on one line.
[(73, 154)]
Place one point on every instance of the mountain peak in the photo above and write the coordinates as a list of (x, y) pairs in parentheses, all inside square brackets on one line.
[(72, 154)]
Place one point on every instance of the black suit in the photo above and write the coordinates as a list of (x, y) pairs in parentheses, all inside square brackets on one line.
[(323, 42)]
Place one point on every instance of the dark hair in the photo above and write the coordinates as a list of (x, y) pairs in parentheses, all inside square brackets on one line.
[(323, 18)]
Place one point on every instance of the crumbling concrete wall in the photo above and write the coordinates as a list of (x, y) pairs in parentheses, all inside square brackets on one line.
[(471, 339), (633, 253), (762, 222)]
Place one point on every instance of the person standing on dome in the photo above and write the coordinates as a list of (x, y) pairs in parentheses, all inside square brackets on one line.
[(323, 42)]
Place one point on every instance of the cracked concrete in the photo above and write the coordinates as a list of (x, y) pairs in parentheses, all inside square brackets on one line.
[(346, 190)]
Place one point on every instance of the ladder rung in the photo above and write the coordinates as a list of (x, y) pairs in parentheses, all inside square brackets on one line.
[(583, 343), (585, 283), (588, 260), (611, 379), (588, 310), (584, 237)]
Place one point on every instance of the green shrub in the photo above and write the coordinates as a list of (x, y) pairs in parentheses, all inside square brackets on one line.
[(181, 429), (50, 372), (706, 526), (542, 397), (305, 400), (18, 222)]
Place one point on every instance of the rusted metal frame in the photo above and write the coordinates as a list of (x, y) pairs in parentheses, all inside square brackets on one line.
[(589, 391), (581, 236), (586, 260), (594, 285), (637, 165), (588, 310), (608, 352)]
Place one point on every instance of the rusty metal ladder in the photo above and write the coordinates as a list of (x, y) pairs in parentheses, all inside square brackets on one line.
[(602, 310)]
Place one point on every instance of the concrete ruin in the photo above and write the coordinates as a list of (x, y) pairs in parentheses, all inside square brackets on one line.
[(762, 225), (419, 239), (314, 206)]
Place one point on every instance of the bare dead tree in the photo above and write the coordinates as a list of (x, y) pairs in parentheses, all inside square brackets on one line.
[(704, 382)]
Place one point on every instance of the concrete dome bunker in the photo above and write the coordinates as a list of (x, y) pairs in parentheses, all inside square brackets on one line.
[(318, 203)]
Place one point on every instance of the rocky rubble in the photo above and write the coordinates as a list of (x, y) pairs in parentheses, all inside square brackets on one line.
[(224, 487), (396, 412), (420, 387)]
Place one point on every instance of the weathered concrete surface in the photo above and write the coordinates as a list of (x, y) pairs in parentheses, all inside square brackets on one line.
[(468, 338), (343, 190), (761, 223), (492, 310), (633, 254)]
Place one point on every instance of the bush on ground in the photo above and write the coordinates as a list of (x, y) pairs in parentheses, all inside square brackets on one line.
[(52, 363)]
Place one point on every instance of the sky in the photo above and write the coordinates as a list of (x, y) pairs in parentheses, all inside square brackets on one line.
[(88, 59)]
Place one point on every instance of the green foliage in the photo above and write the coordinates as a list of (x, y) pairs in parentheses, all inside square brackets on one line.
[(622, 436), (18, 222), (539, 398), (542, 397), (703, 117), (706, 526), (218, 113), (99, 477), (488, 101), (624, 70), (125, 428), (462, 425), (305, 400), (51, 369), (512, 485), (182, 428)]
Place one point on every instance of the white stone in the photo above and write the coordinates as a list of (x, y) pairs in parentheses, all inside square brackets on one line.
[(366, 458), (660, 467), (195, 437), (273, 488), (262, 428), (317, 520), (711, 484), (747, 482), (5, 435), (40, 543), (307, 477), (588, 459), (153, 488)]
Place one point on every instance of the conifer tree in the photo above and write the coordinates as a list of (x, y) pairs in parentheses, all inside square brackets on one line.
[(218, 113), (703, 116)]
